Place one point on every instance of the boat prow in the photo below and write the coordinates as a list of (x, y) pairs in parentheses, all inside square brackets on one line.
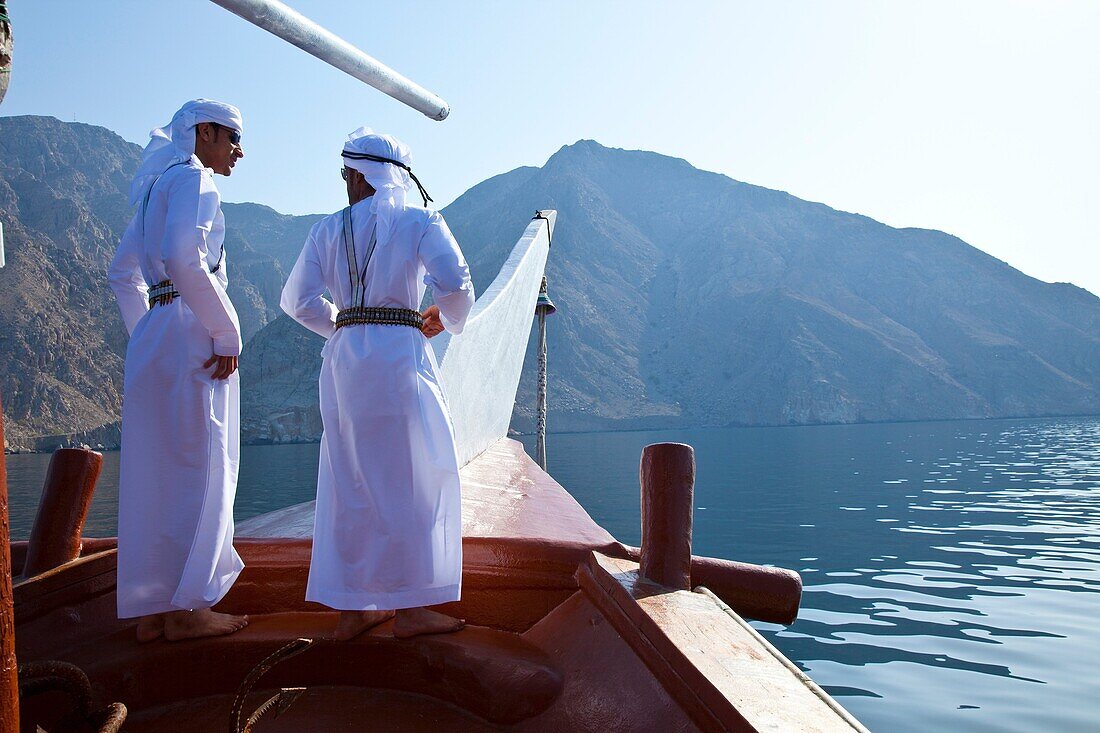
[(563, 634), (564, 630)]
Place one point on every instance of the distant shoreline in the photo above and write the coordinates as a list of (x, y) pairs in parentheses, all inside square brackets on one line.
[(656, 429)]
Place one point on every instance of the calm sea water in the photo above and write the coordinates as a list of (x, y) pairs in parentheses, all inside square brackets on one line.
[(951, 569)]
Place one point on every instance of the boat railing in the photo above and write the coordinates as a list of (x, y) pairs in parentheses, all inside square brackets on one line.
[(480, 368)]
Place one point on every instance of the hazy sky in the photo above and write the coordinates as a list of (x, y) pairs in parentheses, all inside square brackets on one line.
[(978, 118)]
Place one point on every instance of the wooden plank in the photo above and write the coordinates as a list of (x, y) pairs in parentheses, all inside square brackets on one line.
[(727, 665)]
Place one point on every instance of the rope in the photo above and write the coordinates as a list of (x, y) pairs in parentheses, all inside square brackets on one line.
[(391, 161), (279, 655), (280, 701), (36, 678), (539, 215)]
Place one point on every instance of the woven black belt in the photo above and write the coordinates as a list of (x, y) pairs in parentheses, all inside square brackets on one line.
[(384, 316), (162, 293)]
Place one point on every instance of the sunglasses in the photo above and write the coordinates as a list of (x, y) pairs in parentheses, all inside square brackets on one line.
[(234, 135)]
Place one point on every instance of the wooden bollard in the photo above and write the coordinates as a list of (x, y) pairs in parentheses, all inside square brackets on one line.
[(754, 591), (759, 592), (667, 477), (66, 496)]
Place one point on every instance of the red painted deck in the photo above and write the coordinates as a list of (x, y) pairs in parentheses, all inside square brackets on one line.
[(563, 636)]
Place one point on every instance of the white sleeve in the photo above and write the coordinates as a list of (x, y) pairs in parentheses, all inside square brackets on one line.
[(447, 273), (124, 275), (191, 200), (303, 295)]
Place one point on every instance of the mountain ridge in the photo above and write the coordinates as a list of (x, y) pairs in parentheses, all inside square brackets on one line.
[(686, 298)]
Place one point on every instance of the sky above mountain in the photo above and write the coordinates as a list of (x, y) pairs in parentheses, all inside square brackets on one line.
[(971, 118)]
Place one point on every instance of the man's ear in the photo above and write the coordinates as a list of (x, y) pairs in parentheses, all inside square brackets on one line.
[(204, 130)]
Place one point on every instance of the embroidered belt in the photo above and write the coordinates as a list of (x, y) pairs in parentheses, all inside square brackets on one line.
[(384, 316), (162, 293)]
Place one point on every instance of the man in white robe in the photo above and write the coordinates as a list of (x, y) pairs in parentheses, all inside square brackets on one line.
[(388, 528), (180, 414)]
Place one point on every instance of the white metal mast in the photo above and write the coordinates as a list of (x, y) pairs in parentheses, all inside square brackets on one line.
[(290, 25)]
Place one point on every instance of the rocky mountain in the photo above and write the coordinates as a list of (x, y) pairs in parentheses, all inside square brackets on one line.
[(684, 298), (688, 298), (63, 205)]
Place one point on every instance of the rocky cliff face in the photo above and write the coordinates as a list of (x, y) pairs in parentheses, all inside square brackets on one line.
[(684, 298), (63, 204), (687, 298), (279, 384)]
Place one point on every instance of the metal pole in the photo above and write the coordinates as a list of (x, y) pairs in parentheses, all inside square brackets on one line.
[(293, 27)]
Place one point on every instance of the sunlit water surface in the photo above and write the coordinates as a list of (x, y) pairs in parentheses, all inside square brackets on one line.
[(951, 569)]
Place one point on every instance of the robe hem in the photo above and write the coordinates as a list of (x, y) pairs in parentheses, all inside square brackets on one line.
[(223, 589), (387, 601), (149, 608)]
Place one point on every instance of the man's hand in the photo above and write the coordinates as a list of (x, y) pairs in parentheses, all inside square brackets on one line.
[(433, 324), (226, 365)]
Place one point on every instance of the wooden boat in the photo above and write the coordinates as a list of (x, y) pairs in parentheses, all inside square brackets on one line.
[(568, 629)]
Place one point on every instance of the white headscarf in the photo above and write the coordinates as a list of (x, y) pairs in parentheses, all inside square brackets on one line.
[(391, 182), (176, 141)]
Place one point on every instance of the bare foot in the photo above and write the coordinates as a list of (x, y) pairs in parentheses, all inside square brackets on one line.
[(150, 628), (201, 622), (417, 621), (354, 623)]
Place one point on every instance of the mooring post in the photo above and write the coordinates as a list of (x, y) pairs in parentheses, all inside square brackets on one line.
[(543, 308), (9, 677), (667, 477), (66, 496)]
